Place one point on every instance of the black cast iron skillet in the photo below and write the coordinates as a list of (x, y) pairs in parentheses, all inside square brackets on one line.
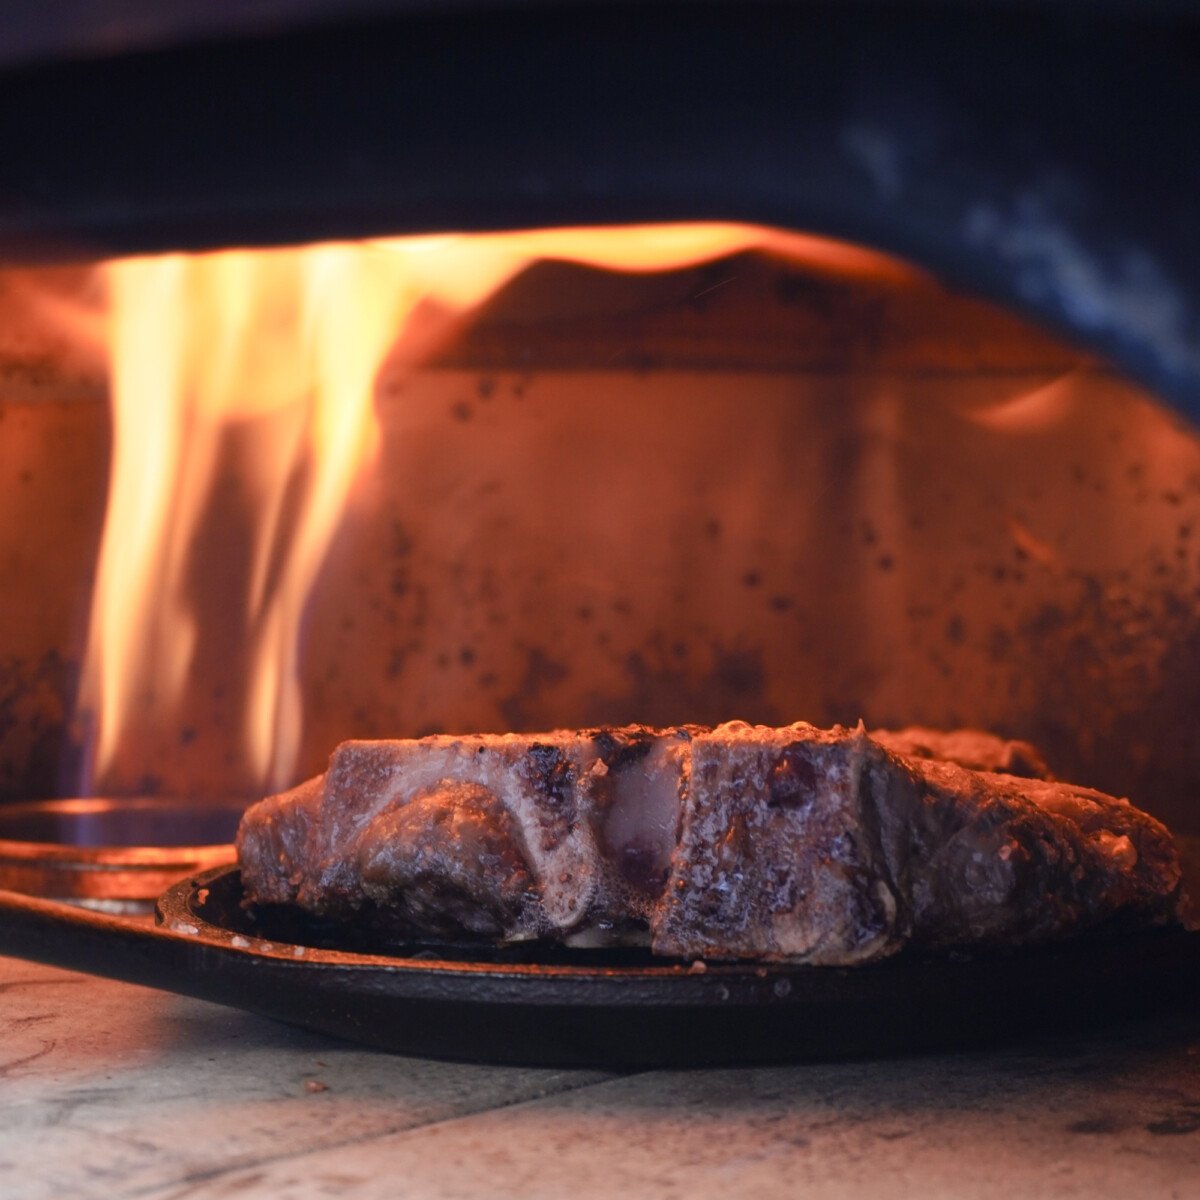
[(622, 1009)]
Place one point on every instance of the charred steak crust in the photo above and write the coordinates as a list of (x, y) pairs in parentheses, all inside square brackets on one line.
[(551, 774), (807, 845), (971, 748), (448, 862), (781, 850), (617, 748)]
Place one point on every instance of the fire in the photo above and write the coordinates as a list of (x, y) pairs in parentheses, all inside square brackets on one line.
[(282, 348)]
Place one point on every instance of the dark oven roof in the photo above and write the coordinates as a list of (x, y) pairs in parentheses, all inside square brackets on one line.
[(1042, 153)]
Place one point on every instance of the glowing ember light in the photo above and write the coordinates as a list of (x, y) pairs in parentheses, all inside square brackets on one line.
[(203, 345), (1035, 411)]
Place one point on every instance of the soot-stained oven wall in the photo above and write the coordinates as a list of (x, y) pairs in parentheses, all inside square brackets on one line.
[(748, 488), (878, 537)]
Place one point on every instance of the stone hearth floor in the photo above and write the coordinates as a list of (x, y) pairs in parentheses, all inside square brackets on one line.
[(113, 1091)]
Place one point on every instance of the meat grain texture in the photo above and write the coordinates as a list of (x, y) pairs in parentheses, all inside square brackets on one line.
[(739, 842)]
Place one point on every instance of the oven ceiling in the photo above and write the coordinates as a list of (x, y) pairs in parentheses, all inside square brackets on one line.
[(1042, 154)]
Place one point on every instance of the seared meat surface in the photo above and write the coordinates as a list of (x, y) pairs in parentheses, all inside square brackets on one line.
[(819, 846), (449, 863)]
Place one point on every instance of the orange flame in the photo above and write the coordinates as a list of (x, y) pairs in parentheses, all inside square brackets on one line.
[(200, 343)]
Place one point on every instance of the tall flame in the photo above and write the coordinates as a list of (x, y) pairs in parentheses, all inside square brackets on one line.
[(203, 344)]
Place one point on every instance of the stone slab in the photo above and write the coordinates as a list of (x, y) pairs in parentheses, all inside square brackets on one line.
[(108, 1090)]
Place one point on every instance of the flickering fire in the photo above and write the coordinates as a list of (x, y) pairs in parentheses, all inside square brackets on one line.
[(280, 348)]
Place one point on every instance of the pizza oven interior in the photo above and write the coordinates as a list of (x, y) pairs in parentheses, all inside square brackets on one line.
[(935, 464)]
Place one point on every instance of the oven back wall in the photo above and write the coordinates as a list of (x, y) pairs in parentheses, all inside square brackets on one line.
[(735, 491)]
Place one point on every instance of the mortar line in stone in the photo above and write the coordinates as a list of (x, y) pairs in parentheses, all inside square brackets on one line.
[(188, 1183)]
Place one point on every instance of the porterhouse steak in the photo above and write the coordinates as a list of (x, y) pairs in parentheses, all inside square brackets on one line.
[(819, 846)]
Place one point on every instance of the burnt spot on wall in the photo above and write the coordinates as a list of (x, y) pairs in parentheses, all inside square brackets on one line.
[(402, 539), (1101, 679), (1096, 1125), (739, 672), (542, 673), (999, 644), (40, 755), (1185, 1119), (711, 684)]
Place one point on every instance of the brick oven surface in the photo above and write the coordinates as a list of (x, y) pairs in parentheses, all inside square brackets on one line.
[(115, 1091)]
